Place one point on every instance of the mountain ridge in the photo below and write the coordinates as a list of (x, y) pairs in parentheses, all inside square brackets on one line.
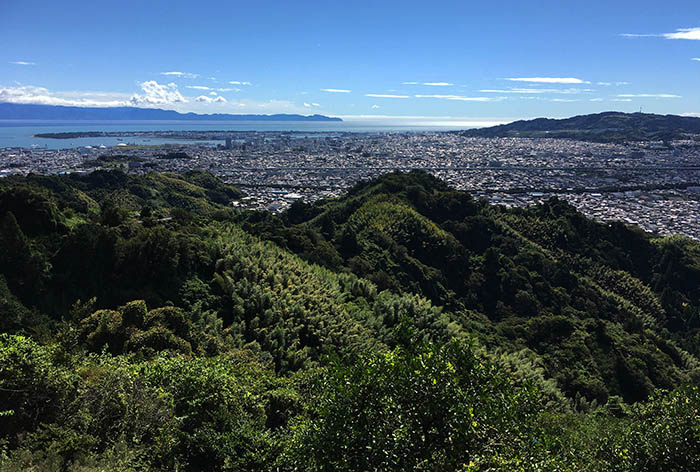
[(144, 317), (17, 111), (610, 126)]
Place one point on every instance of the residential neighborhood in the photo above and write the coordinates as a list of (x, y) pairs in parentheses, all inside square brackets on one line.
[(651, 184)]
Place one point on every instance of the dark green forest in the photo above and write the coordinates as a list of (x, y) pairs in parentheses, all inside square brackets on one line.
[(147, 325), (606, 127)]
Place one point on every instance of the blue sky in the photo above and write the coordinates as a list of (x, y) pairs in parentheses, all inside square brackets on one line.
[(381, 58)]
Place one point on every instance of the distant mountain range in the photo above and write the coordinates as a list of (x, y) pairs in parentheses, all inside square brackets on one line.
[(15, 111), (601, 127)]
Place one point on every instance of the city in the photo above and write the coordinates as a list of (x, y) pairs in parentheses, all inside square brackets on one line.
[(650, 184)]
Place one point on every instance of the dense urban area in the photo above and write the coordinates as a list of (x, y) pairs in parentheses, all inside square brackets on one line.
[(651, 184)]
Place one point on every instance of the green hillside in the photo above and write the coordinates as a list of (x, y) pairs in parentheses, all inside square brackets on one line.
[(600, 127), (149, 326)]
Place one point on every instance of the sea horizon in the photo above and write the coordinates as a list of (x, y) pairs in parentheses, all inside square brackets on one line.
[(21, 133)]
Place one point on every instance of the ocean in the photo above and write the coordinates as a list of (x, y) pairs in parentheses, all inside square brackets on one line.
[(21, 133)]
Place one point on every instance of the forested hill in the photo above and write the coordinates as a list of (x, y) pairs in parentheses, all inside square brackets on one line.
[(601, 127), (583, 298), (147, 325)]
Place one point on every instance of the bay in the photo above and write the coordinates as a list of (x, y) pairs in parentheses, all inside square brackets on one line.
[(15, 134)]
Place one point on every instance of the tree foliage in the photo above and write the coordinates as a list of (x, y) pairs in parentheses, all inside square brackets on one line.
[(149, 326)]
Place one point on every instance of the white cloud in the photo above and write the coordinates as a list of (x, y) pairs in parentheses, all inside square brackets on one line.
[(198, 87), (238, 82), (548, 80), (214, 94), (311, 105), (695, 59), (621, 100), (647, 95), (205, 99), (460, 98), (604, 84), (565, 100), (681, 33), (409, 83), (228, 89), (153, 94), (22, 63), (385, 95), (331, 90), (375, 106), (42, 96), (596, 100), (437, 84), (622, 83), (530, 91), (182, 75), (157, 94), (638, 35), (684, 33)]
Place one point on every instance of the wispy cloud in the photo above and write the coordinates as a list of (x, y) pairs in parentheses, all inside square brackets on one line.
[(596, 99), (531, 91), (608, 84), (647, 95), (621, 100), (182, 75), (548, 80), (385, 95), (198, 87), (228, 89), (332, 90), (684, 33), (695, 59), (640, 35), (205, 99), (374, 107), (680, 33), (430, 120), (311, 105), (565, 100), (460, 98), (238, 82), (430, 84), (22, 63)]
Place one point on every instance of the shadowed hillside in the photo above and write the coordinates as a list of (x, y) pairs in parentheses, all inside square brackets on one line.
[(147, 325), (601, 127)]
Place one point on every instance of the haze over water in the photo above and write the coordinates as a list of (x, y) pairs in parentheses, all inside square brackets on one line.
[(21, 133)]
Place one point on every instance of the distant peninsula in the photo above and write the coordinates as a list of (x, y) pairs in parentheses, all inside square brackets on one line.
[(600, 127), (17, 111)]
